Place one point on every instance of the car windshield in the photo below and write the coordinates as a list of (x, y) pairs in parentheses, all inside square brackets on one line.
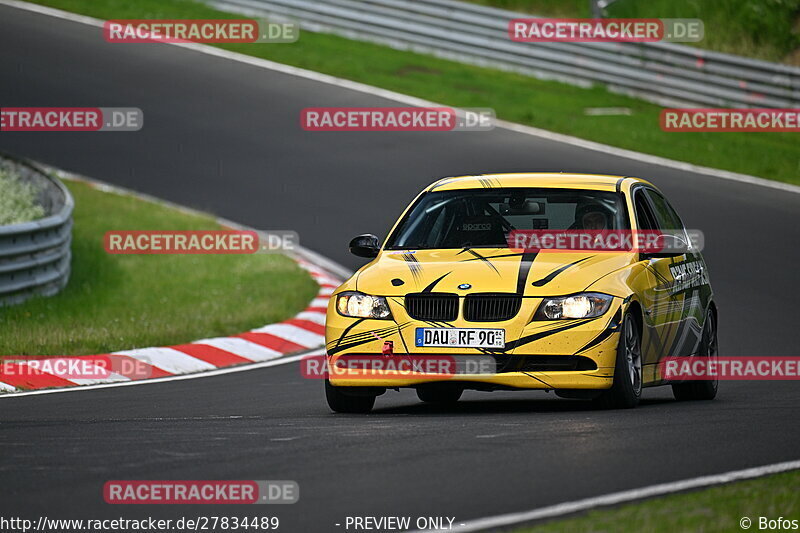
[(482, 218)]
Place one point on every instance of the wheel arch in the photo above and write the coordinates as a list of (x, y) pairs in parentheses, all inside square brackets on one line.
[(635, 308)]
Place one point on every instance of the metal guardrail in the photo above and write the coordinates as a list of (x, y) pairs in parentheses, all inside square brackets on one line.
[(35, 256), (665, 73)]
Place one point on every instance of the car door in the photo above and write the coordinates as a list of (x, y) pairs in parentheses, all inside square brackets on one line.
[(683, 289), (652, 294)]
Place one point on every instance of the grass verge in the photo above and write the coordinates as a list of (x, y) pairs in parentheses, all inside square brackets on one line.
[(17, 200), (549, 105), (117, 302), (718, 509), (754, 28)]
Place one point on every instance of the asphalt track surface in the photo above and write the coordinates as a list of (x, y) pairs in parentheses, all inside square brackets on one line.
[(225, 137)]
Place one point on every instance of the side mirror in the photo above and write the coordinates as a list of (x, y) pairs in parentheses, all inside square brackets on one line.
[(365, 246), (660, 255), (674, 244)]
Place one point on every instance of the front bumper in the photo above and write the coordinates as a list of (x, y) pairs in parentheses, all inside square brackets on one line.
[(591, 342), (600, 378)]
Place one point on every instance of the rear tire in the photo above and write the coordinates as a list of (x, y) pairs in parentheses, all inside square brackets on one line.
[(341, 402), (439, 393), (706, 389), (626, 390)]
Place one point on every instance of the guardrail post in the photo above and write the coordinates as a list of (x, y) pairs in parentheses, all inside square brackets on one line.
[(596, 10), (598, 7)]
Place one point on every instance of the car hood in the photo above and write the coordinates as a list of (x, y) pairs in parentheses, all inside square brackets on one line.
[(396, 273)]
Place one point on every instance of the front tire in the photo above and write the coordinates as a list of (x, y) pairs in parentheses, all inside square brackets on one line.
[(706, 389), (626, 390), (341, 402)]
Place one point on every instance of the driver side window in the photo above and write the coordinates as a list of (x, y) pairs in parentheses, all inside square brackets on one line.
[(665, 215)]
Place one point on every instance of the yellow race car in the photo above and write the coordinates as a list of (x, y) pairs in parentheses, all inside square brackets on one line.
[(456, 283)]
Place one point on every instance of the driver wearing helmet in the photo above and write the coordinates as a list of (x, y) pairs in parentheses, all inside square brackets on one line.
[(593, 216)]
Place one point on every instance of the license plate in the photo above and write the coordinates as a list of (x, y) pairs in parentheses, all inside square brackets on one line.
[(460, 338)]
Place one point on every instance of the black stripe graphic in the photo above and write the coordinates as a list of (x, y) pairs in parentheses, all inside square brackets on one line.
[(413, 265), (430, 287), (387, 332), (542, 334), (548, 278), (524, 269), (477, 256), (347, 330), (613, 326)]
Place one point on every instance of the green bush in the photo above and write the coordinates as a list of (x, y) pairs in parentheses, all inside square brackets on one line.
[(17, 200)]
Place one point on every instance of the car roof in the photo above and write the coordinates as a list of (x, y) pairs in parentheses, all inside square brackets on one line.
[(600, 182)]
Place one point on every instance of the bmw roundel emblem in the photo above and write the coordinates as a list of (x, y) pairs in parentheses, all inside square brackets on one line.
[(465, 286)]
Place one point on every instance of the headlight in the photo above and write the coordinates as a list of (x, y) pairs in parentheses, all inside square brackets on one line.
[(360, 305), (586, 305)]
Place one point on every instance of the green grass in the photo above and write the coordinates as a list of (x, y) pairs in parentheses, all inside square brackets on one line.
[(548, 105), (17, 200), (765, 29), (717, 509), (117, 302)]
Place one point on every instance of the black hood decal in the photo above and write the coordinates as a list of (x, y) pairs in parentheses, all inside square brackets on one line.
[(524, 269), (551, 276)]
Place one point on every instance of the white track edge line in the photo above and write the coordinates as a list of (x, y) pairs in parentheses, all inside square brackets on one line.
[(411, 100), (625, 496), (178, 377)]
